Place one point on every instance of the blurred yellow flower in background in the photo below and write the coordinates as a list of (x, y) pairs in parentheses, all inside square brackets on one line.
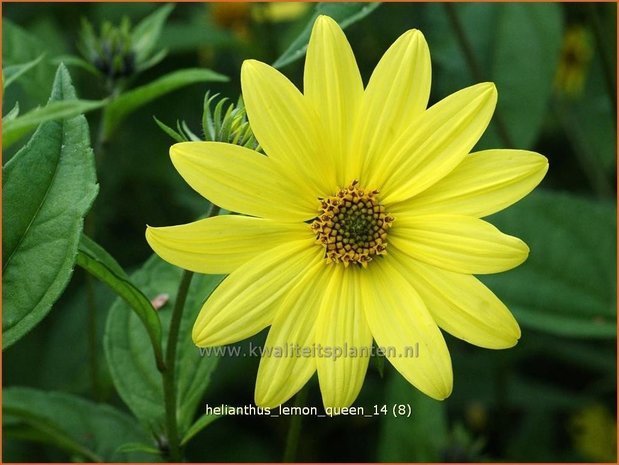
[(362, 223), (232, 15), (576, 55), (237, 16), (279, 11), (594, 433)]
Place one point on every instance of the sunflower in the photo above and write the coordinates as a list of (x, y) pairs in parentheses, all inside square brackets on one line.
[(361, 223)]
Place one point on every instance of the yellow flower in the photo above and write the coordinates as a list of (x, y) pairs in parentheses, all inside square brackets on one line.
[(362, 222)]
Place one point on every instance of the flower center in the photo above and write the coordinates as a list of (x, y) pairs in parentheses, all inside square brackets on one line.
[(352, 226)]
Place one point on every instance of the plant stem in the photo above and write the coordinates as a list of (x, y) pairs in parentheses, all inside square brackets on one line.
[(90, 230), (607, 65), (294, 429), (101, 141), (475, 68), (169, 375)]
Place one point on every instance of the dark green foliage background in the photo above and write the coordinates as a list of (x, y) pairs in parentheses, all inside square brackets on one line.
[(513, 405)]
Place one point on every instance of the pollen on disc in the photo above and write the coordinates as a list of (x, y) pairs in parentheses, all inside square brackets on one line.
[(352, 226)]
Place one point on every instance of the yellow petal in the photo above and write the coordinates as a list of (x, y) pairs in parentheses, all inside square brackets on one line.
[(221, 244), (286, 127), (344, 335), (403, 328), (457, 243), (462, 305), (396, 96), (484, 183), (241, 180), (334, 89), (246, 301), (431, 148), (288, 362)]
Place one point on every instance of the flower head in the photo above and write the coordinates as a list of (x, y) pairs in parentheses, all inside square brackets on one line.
[(111, 52), (119, 52), (361, 223)]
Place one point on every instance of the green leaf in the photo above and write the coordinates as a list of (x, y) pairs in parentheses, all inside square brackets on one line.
[(91, 431), (138, 447), (344, 13), (48, 187), (481, 375), (128, 102), (22, 47), (130, 360), (11, 115), (72, 60), (589, 124), (97, 258), (12, 73), (146, 33), (94, 259), (18, 127), (198, 426), (418, 437), (567, 286), (152, 61), (187, 36), (515, 45), (529, 79), (59, 365)]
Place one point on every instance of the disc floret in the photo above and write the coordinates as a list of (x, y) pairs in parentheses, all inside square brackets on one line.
[(352, 226)]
